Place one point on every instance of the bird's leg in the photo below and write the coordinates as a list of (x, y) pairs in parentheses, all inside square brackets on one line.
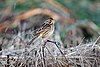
[(58, 49), (43, 55), (31, 41), (43, 52)]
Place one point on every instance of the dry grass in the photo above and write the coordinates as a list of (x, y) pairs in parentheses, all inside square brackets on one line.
[(49, 54)]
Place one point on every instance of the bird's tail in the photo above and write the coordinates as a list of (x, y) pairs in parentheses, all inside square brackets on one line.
[(33, 40)]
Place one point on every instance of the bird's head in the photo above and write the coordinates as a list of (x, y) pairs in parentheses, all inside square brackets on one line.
[(50, 21)]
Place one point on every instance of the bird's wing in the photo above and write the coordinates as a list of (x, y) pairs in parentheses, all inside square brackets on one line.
[(40, 30)]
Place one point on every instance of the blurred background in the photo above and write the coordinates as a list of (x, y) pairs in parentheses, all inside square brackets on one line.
[(75, 19)]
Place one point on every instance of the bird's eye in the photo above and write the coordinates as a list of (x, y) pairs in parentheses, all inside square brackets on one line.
[(49, 20)]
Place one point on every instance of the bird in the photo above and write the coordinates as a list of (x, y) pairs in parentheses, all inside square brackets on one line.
[(44, 31)]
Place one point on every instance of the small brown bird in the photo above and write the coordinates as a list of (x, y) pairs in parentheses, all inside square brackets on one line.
[(45, 31)]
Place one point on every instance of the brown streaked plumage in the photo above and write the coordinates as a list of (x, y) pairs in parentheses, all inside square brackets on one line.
[(45, 31)]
